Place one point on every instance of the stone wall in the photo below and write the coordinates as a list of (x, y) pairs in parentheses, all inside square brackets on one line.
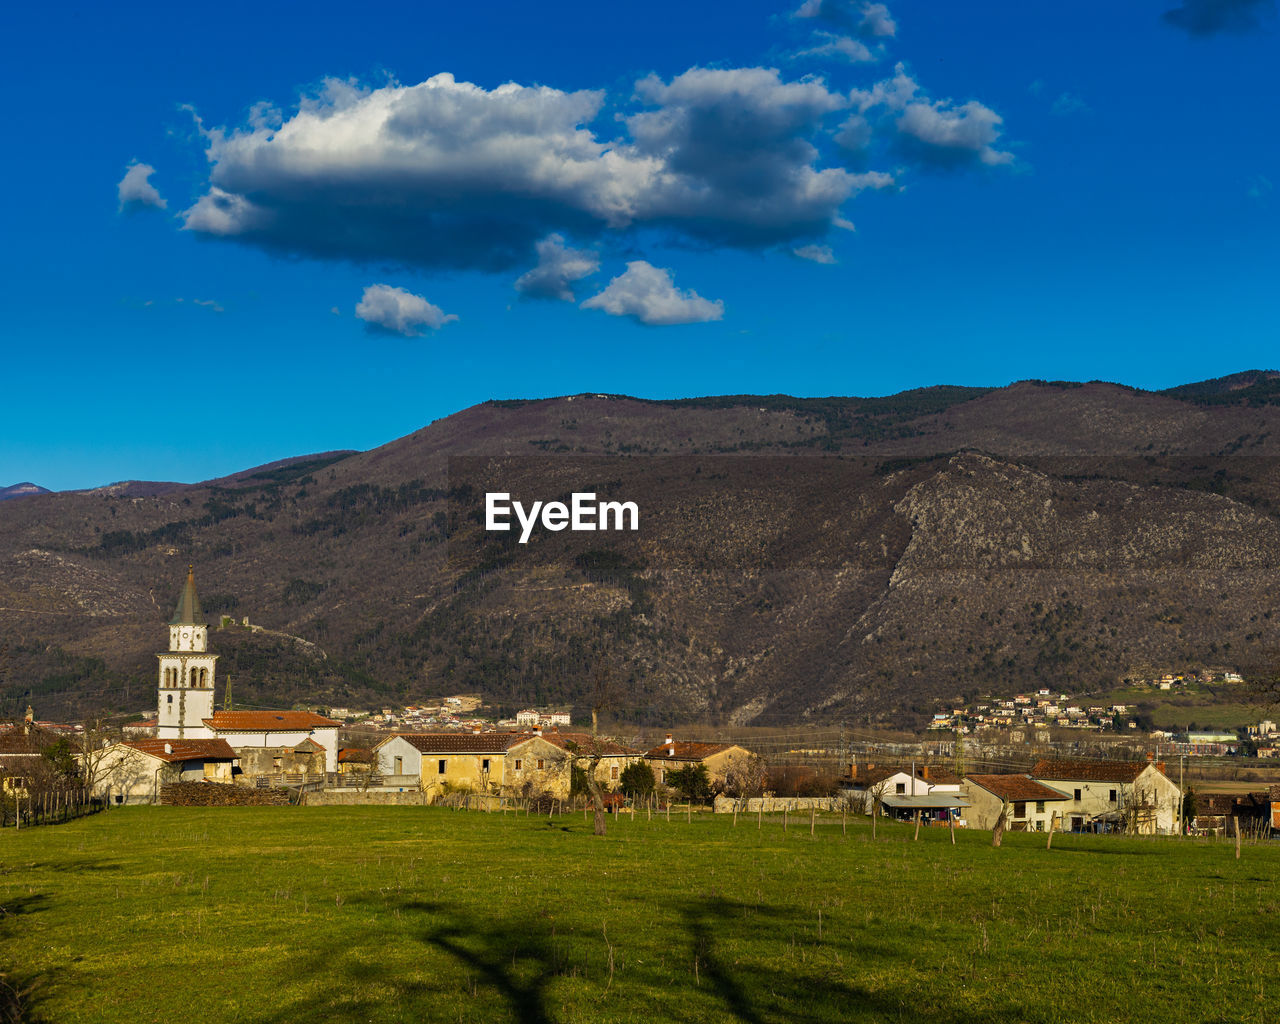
[(215, 794), (374, 796), (778, 804)]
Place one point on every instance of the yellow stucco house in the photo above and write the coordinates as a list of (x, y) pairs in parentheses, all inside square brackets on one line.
[(672, 755), (612, 757), (497, 763)]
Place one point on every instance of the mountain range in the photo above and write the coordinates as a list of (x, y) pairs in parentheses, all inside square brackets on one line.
[(824, 559)]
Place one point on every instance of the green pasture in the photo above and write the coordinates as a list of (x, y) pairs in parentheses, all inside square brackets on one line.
[(292, 914)]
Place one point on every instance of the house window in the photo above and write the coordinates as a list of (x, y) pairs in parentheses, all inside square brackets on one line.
[(399, 765), (170, 700), (900, 788), (1077, 794), (1039, 807), (441, 765), (1020, 809), (539, 764), (484, 765), (1112, 797), (613, 772), (518, 763)]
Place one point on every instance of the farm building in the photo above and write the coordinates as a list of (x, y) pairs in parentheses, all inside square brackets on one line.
[(1030, 805), (1135, 796), (718, 758)]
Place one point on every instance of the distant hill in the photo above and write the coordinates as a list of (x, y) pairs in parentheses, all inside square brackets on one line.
[(22, 490), (828, 559)]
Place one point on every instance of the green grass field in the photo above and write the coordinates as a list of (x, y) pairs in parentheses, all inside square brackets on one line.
[(418, 914)]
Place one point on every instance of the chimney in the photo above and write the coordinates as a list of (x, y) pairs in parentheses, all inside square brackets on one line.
[(924, 772), (1150, 757), (475, 730), (168, 748), (537, 730), (1160, 767), (668, 741)]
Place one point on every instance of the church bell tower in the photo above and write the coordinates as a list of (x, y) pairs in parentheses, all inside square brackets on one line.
[(186, 671)]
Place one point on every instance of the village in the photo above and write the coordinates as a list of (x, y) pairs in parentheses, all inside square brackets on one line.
[(448, 752)]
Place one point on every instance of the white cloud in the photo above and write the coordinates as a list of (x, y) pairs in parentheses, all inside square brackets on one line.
[(815, 253), (398, 311), (446, 173), (558, 267), (135, 191), (868, 20), (648, 294), (933, 134), (894, 93), (940, 134), (845, 47)]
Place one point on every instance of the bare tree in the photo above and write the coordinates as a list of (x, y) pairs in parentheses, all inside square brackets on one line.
[(876, 794), (997, 833), (746, 777), (104, 762)]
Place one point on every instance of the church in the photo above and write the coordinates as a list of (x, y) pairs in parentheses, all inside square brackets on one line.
[(194, 741)]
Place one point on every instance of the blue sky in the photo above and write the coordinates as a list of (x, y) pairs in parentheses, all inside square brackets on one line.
[(240, 234)]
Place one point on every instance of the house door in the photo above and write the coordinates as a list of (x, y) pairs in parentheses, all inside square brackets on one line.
[(399, 766)]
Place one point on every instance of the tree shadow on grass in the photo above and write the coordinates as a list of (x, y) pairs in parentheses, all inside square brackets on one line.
[(18, 991), (717, 960)]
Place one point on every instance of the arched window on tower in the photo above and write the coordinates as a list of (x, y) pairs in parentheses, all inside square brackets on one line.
[(170, 698)]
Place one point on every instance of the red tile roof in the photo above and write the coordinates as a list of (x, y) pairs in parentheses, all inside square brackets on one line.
[(184, 750), (864, 776), (462, 742), (268, 721), (1015, 787), (17, 741), (1090, 771), (355, 755), (589, 745), (681, 750)]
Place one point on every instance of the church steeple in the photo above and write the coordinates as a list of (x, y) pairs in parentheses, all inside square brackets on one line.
[(188, 611), (186, 671)]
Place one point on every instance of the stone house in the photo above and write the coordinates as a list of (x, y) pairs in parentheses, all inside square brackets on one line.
[(719, 759), (501, 763), (1031, 804), (613, 757)]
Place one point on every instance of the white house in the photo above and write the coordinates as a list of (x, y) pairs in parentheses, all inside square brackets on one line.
[(133, 771), (1135, 795)]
